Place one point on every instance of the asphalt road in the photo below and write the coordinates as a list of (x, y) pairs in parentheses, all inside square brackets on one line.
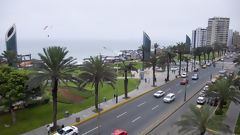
[(138, 114), (168, 127)]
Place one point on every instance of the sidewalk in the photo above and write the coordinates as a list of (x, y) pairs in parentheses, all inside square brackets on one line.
[(143, 87)]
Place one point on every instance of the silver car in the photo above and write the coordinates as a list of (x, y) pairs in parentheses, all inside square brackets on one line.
[(159, 94), (169, 98)]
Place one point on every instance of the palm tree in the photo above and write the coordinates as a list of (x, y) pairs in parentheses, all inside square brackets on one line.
[(199, 53), (152, 63), (11, 57), (95, 72), (224, 90), (142, 48), (198, 120), (155, 48), (180, 49), (195, 54), (186, 59), (204, 51), (127, 67), (217, 47), (208, 51), (54, 66), (167, 57)]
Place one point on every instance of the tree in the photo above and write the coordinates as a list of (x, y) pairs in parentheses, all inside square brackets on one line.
[(13, 89), (155, 48), (204, 51), (198, 52), (180, 49), (197, 120), (152, 63), (224, 90), (217, 47), (186, 59), (208, 51), (11, 57), (127, 68), (142, 48), (167, 57), (54, 66), (95, 72)]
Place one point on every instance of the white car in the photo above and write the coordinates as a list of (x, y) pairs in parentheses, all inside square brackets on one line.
[(195, 77), (68, 130), (201, 100), (184, 75), (169, 98), (205, 87), (208, 64), (159, 93), (174, 68)]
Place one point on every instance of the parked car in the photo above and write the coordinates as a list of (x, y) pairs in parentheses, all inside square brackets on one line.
[(205, 88), (174, 68), (184, 75), (202, 93), (184, 81), (213, 80), (169, 97), (119, 132), (201, 100), (68, 130), (212, 101), (159, 94), (195, 70), (195, 77)]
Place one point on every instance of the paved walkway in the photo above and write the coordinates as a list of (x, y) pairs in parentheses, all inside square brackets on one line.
[(143, 87)]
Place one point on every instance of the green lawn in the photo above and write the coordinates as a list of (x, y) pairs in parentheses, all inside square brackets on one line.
[(197, 59), (237, 128), (31, 118)]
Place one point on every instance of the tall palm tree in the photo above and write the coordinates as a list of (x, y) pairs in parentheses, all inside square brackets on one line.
[(11, 57), (217, 47), (204, 51), (167, 57), (224, 90), (152, 62), (186, 59), (142, 48), (95, 71), (127, 68), (208, 51), (197, 120), (54, 66), (180, 49), (155, 48), (199, 53)]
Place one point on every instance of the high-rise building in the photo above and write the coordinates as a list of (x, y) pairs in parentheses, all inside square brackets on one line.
[(217, 30), (199, 37), (230, 37), (188, 43), (11, 39), (147, 46), (236, 39)]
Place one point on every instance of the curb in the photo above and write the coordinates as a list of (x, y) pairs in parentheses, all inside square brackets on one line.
[(123, 102), (165, 117)]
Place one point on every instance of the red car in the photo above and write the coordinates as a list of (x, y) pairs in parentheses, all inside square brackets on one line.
[(119, 132), (184, 81), (195, 70)]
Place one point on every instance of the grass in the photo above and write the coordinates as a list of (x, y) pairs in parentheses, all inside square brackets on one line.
[(237, 128), (31, 118), (197, 58)]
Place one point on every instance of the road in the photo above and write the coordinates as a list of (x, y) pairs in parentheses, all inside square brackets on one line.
[(138, 114), (168, 127)]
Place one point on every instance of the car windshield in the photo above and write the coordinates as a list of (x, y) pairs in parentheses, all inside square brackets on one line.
[(168, 96), (159, 92), (61, 132)]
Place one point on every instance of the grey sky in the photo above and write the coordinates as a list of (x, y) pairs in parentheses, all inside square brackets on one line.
[(113, 19)]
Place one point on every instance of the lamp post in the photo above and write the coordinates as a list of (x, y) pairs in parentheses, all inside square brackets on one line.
[(185, 92)]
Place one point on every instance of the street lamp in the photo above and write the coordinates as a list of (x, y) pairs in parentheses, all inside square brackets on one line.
[(185, 90)]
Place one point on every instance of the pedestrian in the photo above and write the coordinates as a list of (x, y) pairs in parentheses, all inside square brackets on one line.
[(114, 96), (48, 129), (62, 126), (137, 87), (145, 80)]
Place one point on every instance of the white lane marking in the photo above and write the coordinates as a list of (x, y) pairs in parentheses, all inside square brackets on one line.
[(179, 91), (167, 89), (141, 104), (136, 119), (188, 86), (121, 114), (155, 107), (90, 130)]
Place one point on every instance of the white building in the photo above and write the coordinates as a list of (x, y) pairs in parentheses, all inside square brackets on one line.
[(199, 37), (230, 37), (217, 30)]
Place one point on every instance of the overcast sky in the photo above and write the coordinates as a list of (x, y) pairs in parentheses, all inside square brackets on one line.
[(113, 19)]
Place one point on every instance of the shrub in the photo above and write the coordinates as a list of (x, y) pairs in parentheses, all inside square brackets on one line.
[(218, 112)]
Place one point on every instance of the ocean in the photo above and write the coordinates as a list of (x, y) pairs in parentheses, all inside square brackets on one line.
[(78, 49)]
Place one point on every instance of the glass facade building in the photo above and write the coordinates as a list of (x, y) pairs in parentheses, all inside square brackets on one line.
[(11, 39), (147, 46), (188, 43)]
